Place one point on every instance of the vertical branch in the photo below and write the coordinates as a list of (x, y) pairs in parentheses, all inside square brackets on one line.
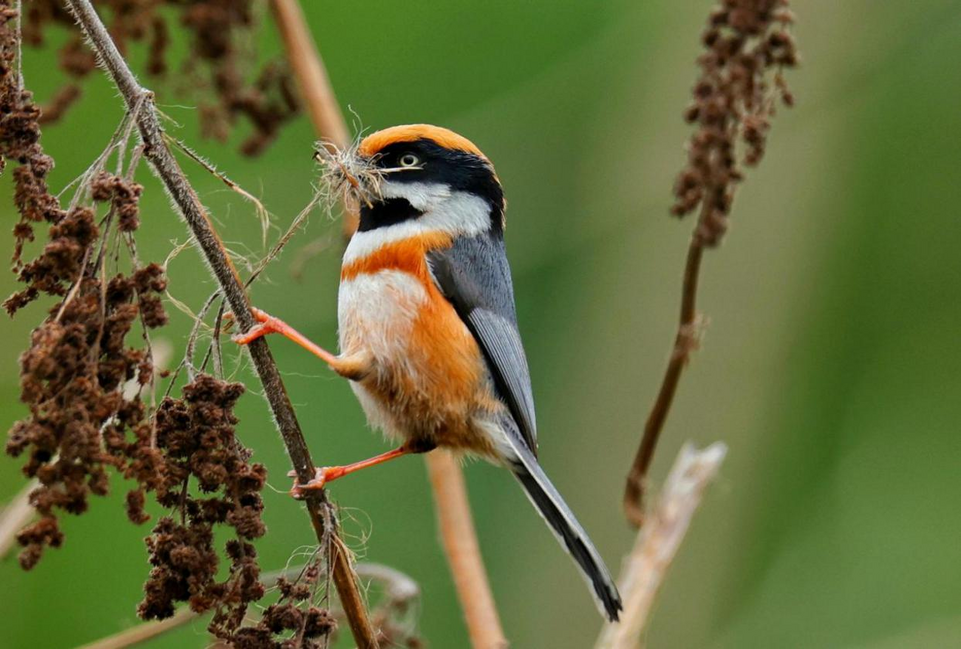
[(453, 509), (463, 552), (658, 541), (188, 204)]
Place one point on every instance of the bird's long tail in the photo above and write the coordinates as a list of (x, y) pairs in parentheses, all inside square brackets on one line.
[(568, 531)]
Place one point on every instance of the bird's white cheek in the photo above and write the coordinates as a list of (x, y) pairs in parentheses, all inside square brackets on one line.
[(423, 196)]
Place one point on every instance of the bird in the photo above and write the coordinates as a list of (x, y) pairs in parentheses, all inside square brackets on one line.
[(427, 323)]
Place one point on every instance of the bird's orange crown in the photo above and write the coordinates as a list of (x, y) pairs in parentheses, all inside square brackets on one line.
[(375, 142)]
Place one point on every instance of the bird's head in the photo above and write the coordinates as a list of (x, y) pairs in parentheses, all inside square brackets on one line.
[(419, 173)]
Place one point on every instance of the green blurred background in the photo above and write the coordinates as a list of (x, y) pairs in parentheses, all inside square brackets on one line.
[(831, 366)]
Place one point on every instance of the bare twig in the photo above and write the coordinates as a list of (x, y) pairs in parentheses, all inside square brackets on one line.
[(658, 541), (144, 632), (14, 516), (188, 204), (463, 552), (398, 587), (447, 480)]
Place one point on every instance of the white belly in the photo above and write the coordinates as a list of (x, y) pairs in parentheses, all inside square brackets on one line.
[(376, 313)]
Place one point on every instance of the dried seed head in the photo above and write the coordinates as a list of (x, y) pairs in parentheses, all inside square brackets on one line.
[(746, 43)]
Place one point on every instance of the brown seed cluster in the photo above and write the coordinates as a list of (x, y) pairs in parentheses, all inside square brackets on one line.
[(199, 446), (218, 64), (73, 372), (20, 143), (747, 42), (72, 378), (294, 622)]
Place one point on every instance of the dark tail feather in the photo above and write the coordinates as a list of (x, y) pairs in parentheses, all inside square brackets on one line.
[(570, 533)]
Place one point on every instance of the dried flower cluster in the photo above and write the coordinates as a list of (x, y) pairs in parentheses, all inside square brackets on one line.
[(216, 69), (196, 436), (733, 101), (73, 373), (294, 621)]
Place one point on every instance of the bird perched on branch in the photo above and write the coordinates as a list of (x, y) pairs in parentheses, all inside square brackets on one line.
[(428, 331)]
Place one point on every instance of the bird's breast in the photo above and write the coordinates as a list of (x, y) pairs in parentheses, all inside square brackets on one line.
[(429, 375)]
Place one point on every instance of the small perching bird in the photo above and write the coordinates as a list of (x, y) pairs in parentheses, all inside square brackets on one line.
[(428, 330)]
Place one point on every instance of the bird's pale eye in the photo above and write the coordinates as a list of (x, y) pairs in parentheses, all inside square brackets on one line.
[(409, 160)]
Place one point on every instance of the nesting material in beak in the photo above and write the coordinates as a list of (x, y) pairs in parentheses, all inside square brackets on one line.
[(348, 176)]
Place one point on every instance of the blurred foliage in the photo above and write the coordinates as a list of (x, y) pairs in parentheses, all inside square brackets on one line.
[(831, 365)]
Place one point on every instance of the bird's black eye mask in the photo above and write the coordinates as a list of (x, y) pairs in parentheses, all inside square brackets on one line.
[(426, 161)]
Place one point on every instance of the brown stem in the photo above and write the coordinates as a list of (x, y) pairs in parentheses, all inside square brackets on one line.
[(185, 198), (463, 552), (447, 480), (684, 342), (318, 94)]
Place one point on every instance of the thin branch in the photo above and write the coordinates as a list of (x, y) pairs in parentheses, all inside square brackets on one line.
[(144, 632), (450, 495), (188, 204), (658, 541), (685, 341), (15, 516), (463, 552)]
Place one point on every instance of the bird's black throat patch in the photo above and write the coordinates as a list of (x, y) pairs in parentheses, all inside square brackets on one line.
[(386, 212)]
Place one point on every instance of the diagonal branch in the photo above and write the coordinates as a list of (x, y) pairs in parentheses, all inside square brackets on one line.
[(463, 551), (165, 166)]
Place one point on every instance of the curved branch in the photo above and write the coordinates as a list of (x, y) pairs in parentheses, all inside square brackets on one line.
[(167, 169)]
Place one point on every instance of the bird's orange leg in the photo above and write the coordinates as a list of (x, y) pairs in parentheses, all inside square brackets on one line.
[(330, 473), (353, 367)]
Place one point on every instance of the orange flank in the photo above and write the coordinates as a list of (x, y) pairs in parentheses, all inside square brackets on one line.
[(375, 142)]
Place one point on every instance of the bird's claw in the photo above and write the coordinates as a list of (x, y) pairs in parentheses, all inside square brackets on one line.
[(267, 325), (299, 491)]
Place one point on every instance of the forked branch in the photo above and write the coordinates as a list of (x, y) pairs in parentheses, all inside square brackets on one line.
[(188, 204)]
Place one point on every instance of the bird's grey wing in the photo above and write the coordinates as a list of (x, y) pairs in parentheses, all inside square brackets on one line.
[(474, 275)]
